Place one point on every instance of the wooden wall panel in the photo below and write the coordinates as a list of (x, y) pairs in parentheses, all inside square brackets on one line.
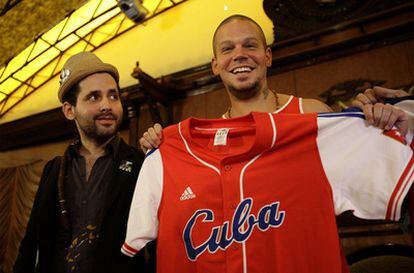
[(194, 106), (283, 83), (410, 57), (145, 120), (393, 64), (217, 102)]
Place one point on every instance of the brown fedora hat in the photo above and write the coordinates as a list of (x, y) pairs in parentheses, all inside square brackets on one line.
[(78, 67)]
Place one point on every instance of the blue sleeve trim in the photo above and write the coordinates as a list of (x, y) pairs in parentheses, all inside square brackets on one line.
[(150, 152), (344, 114)]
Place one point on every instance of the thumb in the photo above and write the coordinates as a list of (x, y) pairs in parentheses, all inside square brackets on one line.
[(402, 124)]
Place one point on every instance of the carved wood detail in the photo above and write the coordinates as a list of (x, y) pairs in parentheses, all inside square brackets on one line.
[(295, 17)]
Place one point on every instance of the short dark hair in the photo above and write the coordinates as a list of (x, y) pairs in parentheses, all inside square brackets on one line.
[(72, 94), (242, 18)]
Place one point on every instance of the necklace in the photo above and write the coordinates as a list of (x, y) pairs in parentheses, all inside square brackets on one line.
[(276, 102)]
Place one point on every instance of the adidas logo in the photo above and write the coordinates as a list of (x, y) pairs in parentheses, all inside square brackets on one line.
[(187, 194)]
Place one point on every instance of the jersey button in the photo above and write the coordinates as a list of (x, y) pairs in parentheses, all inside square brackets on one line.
[(227, 167), (235, 247)]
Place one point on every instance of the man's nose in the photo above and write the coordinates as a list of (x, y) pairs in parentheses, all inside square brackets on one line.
[(105, 105), (239, 53)]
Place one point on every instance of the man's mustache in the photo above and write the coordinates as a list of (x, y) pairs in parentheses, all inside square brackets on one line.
[(106, 116)]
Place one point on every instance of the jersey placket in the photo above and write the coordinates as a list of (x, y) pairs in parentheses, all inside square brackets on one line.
[(230, 172)]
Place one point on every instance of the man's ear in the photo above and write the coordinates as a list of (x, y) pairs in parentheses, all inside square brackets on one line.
[(68, 110), (268, 57), (214, 66)]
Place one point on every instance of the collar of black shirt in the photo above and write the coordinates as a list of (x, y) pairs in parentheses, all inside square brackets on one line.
[(111, 148)]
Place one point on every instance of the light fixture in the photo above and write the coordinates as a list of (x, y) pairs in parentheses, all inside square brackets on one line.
[(133, 9)]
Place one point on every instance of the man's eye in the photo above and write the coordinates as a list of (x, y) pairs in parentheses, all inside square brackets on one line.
[(225, 49), (114, 97), (93, 98)]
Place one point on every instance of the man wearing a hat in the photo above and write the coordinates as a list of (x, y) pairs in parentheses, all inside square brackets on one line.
[(79, 216)]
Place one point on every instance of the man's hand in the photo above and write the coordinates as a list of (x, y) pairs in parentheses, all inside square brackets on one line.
[(377, 94), (381, 115), (152, 138), (385, 116)]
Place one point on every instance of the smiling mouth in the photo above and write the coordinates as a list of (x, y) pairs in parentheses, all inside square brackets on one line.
[(242, 69)]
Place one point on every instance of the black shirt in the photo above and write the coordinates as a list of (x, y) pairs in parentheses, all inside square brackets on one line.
[(85, 203)]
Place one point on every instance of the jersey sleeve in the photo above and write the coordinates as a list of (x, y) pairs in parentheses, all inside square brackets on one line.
[(370, 171), (143, 215)]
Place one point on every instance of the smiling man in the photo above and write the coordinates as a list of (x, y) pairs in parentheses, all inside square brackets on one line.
[(241, 59), (79, 215)]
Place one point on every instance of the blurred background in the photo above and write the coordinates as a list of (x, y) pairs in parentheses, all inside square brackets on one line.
[(324, 49)]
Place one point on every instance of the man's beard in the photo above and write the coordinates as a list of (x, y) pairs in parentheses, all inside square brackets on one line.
[(245, 93), (93, 131)]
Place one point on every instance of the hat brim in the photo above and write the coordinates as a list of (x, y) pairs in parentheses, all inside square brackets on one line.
[(84, 73)]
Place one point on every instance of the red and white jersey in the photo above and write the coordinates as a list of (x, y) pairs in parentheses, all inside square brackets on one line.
[(294, 105), (259, 193)]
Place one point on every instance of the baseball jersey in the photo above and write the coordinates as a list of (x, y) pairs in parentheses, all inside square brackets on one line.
[(294, 106), (259, 193)]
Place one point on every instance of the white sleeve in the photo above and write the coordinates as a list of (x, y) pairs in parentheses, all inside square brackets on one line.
[(143, 215), (370, 173)]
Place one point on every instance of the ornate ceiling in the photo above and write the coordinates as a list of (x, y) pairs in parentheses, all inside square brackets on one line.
[(85, 29), (20, 25)]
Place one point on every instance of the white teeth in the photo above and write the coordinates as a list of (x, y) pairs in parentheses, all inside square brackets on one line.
[(242, 69)]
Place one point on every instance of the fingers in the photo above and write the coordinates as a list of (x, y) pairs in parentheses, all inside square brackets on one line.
[(144, 145), (146, 142), (369, 113), (387, 113), (376, 95), (151, 138), (357, 103), (373, 98), (377, 114), (382, 92), (360, 100), (402, 123), (366, 98), (392, 120), (386, 117), (158, 130)]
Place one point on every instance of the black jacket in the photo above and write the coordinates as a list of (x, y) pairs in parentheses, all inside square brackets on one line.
[(42, 227)]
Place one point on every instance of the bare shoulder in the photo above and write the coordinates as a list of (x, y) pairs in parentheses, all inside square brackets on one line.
[(312, 106)]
